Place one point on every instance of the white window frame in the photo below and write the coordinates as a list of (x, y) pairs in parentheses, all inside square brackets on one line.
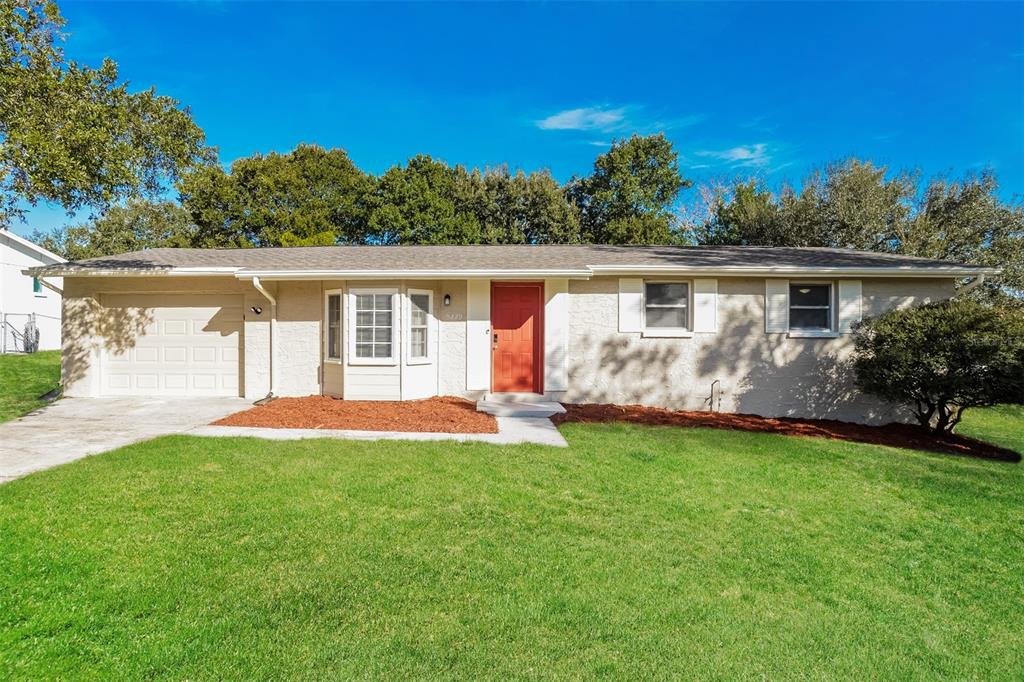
[(327, 326), (395, 324), (831, 332), (668, 332), (429, 357)]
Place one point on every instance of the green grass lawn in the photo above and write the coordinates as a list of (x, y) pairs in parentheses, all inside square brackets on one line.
[(23, 378), (636, 553)]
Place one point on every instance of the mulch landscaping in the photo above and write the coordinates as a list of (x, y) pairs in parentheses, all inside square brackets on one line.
[(435, 415), (894, 435)]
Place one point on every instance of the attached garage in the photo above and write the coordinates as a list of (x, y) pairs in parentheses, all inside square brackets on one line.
[(171, 344)]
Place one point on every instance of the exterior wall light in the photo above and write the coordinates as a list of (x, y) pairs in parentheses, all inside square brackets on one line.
[(256, 309), (447, 299)]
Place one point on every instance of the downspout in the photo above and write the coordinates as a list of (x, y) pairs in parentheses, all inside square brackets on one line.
[(273, 332), (973, 284), (57, 290)]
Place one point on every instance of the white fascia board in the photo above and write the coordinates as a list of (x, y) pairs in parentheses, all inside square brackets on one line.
[(269, 275), (17, 239), (779, 271), (134, 272)]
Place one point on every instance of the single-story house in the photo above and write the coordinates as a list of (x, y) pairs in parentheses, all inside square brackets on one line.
[(26, 303), (737, 329)]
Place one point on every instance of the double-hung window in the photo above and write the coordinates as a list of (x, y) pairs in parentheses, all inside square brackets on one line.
[(373, 325), (334, 325), (420, 308), (810, 307), (667, 305)]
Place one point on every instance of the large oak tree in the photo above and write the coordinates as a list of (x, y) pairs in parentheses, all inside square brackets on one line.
[(75, 135)]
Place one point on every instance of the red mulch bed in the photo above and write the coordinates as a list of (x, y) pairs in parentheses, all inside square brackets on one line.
[(436, 415), (895, 435)]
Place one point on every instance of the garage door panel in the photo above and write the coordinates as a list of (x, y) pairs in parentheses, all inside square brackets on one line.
[(175, 354), (204, 354), (147, 354), (189, 345), (204, 382), (175, 327)]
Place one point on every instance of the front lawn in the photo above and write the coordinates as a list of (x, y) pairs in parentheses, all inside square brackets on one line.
[(638, 552), (23, 378)]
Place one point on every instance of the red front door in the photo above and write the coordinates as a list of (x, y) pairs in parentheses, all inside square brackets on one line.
[(517, 324)]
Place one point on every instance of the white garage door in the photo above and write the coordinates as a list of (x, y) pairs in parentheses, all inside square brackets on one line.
[(171, 344)]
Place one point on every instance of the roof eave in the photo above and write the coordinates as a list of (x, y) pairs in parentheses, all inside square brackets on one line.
[(534, 273), (52, 271), (575, 273), (802, 271), (17, 239)]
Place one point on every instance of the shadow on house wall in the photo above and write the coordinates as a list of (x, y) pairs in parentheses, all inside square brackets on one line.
[(623, 370), (774, 375), (765, 374), (89, 328)]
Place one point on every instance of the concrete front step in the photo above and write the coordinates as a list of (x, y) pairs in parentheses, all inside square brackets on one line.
[(538, 407)]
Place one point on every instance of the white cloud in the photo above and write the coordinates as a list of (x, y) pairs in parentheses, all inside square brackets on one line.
[(586, 118), (628, 118), (742, 156)]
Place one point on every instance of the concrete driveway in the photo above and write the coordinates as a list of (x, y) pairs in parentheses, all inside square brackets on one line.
[(72, 428)]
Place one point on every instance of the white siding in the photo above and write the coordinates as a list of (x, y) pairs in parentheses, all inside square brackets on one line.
[(556, 335), (478, 336), (18, 301), (419, 377)]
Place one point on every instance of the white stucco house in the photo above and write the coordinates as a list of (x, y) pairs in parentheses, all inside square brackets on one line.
[(738, 329), (23, 297)]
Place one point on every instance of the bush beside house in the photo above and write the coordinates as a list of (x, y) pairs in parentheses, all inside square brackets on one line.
[(942, 358)]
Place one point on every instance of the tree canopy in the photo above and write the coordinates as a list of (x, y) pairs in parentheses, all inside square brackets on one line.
[(856, 204), (628, 199), (74, 135), (310, 196), (138, 225), (424, 202)]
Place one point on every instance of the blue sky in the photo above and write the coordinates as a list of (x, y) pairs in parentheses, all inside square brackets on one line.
[(741, 89)]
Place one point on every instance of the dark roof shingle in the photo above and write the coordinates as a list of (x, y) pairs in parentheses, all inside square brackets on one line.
[(497, 258)]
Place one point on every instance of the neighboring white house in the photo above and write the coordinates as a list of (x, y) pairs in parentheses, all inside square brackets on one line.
[(24, 298)]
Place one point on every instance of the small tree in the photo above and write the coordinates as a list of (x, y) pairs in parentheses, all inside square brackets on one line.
[(942, 358)]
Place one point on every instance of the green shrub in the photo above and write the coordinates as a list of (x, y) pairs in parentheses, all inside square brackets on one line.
[(942, 358)]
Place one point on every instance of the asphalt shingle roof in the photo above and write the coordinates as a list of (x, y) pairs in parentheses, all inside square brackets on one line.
[(497, 258)]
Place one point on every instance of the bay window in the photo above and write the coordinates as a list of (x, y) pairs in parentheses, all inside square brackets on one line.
[(373, 326), (420, 309)]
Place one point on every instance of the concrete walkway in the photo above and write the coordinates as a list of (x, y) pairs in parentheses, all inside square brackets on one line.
[(72, 428), (511, 430)]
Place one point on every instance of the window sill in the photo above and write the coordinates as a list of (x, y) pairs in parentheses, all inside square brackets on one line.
[(797, 334), (666, 334), (334, 361), (419, 361), (373, 362)]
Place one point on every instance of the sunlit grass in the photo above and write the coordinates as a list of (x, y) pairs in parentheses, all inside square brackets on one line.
[(636, 553)]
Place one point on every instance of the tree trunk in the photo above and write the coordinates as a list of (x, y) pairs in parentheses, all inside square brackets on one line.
[(924, 416), (945, 422)]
